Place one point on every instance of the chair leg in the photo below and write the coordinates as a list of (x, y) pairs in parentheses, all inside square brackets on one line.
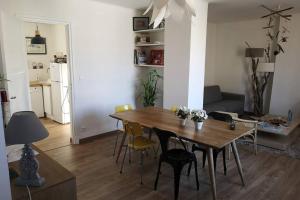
[(157, 175), (129, 155), (190, 165), (123, 160), (142, 166), (255, 143), (116, 144), (196, 172), (224, 161), (203, 159), (189, 169), (177, 173)]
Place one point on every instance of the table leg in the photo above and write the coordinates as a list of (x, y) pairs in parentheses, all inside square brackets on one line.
[(238, 162), (212, 173), (121, 146)]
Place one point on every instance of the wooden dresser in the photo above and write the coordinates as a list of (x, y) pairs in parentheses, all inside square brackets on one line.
[(60, 183)]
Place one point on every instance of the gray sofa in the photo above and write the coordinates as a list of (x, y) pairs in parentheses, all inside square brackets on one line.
[(215, 100)]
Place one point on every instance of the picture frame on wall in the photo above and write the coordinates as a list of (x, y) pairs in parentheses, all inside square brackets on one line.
[(35, 48), (140, 23)]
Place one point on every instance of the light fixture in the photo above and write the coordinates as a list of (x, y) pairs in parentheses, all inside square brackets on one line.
[(162, 9), (25, 128), (37, 39)]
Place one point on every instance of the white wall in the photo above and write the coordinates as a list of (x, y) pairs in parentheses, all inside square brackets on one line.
[(211, 48), (286, 92), (185, 43), (226, 65), (102, 47)]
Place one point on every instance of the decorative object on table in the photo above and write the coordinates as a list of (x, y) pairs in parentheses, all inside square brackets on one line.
[(162, 9), (277, 35), (25, 128), (232, 125), (150, 90), (157, 57), (33, 49), (183, 113), (140, 23), (198, 116)]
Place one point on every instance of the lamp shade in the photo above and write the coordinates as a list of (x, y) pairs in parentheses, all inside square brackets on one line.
[(266, 67), (255, 52), (38, 40), (24, 128)]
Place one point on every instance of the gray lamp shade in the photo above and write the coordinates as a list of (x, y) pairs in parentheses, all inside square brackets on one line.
[(255, 52), (24, 128)]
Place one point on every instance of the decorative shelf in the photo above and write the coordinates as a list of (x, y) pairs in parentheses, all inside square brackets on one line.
[(150, 30), (149, 44), (145, 65)]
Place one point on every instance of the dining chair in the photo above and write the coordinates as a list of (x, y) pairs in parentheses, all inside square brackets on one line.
[(136, 142), (177, 158), (118, 109), (197, 147), (252, 135)]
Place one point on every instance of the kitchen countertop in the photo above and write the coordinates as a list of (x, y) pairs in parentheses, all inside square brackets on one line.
[(39, 83)]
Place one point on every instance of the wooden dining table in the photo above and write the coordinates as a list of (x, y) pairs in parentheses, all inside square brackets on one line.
[(214, 134)]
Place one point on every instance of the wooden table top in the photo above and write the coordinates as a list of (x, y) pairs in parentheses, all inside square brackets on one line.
[(52, 171), (214, 133)]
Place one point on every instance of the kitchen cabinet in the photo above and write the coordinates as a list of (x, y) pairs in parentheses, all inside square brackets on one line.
[(37, 103)]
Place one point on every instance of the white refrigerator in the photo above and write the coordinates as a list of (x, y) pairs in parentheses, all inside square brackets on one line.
[(60, 92)]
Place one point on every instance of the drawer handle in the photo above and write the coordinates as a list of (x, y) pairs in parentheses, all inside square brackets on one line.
[(14, 97)]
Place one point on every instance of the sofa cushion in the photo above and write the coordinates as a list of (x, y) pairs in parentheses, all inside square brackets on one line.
[(226, 105), (212, 94)]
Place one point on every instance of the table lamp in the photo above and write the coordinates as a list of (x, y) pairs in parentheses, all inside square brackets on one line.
[(25, 128)]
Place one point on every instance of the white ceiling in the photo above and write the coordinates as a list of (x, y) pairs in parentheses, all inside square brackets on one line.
[(236, 10), (224, 10)]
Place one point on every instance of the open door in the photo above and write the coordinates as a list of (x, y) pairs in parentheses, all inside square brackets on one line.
[(14, 63)]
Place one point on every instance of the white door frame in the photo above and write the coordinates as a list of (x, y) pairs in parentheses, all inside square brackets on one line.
[(70, 58)]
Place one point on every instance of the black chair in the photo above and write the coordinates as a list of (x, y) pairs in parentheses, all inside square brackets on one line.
[(221, 117), (177, 158)]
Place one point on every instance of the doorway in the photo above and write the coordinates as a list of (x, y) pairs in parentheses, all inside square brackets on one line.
[(49, 80)]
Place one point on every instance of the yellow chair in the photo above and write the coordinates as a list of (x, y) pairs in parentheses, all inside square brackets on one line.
[(136, 142), (118, 109), (173, 108)]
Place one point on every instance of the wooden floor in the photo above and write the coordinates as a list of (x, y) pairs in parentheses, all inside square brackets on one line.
[(267, 176), (59, 135)]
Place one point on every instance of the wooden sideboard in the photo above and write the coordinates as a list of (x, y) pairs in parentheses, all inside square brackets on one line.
[(60, 183)]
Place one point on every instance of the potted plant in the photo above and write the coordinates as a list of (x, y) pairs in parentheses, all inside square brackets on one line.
[(150, 88), (198, 116), (183, 113)]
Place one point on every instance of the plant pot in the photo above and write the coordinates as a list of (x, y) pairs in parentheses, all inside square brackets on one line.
[(198, 125), (182, 122)]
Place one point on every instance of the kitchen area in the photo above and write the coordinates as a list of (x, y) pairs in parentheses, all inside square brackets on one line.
[(48, 71)]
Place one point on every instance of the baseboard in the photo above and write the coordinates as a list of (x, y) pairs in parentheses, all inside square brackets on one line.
[(95, 137)]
